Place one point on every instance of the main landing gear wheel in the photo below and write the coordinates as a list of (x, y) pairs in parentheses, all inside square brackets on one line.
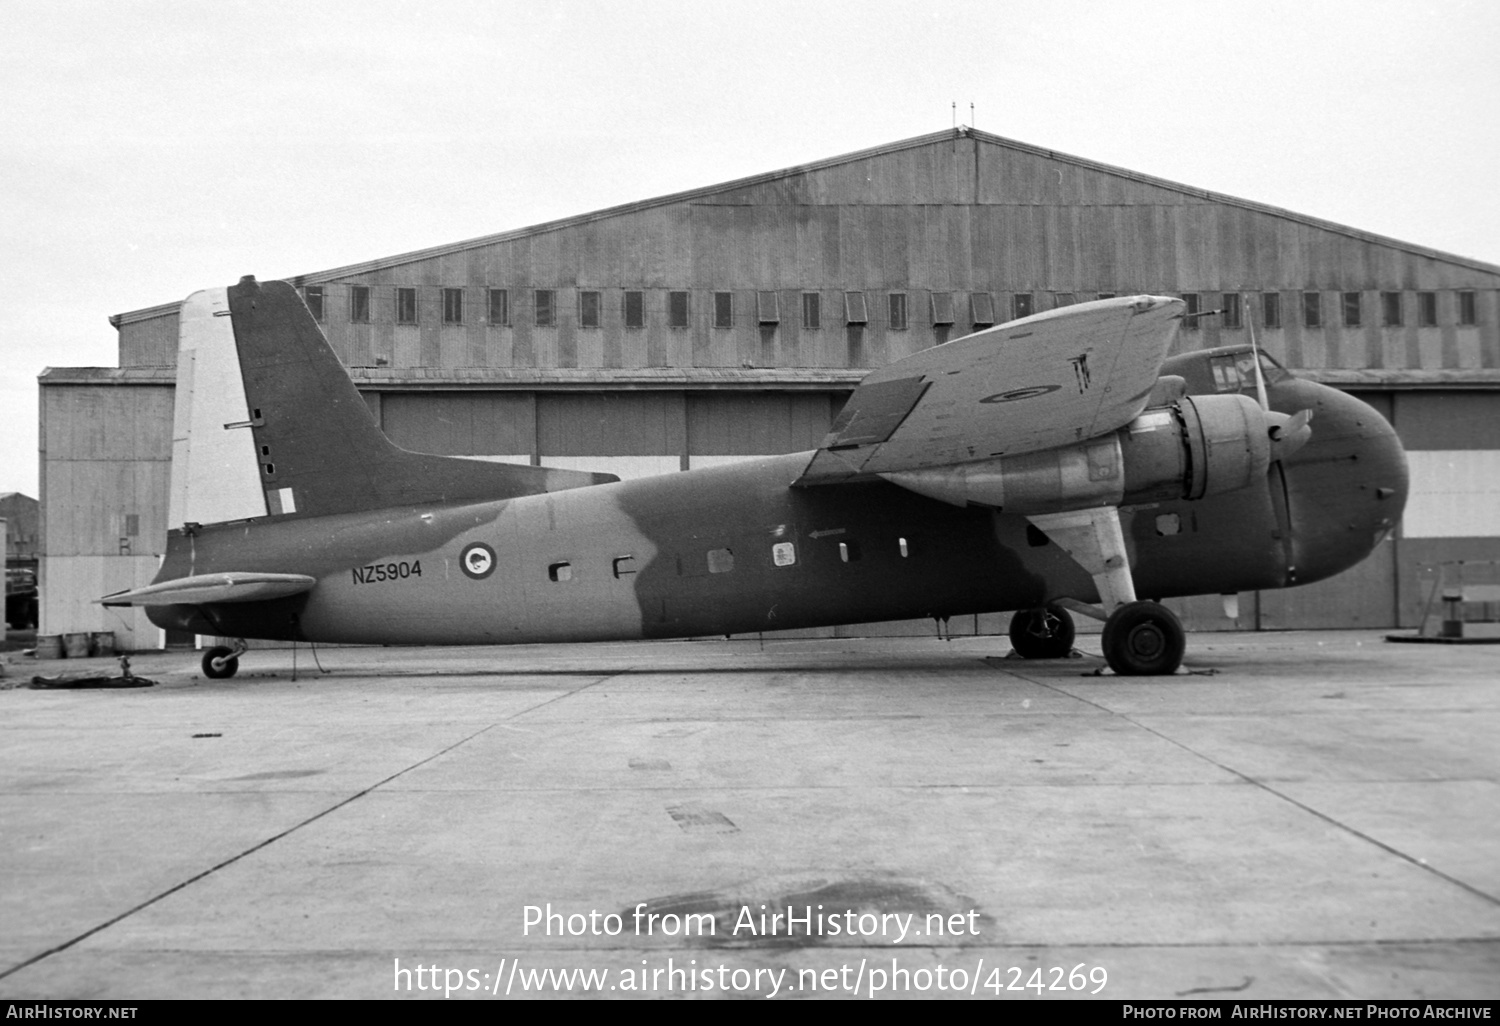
[(220, 662), (1143, 639), (1045, 633)]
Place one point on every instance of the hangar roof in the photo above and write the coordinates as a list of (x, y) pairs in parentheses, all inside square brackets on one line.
[(382, 263)]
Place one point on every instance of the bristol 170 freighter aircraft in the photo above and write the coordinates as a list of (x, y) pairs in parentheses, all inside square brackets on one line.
[(1056, 462)]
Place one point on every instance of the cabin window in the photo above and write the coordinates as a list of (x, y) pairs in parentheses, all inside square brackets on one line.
[(312, 295), (1390, 308), (1232, 317), (624, 566), (1168, 524), (897, 309), (854, 308), (588, 309), (406, 306), (499, 306), (677, 309), (767, 308), (942, 308), (1270, 309), (1227, 373), (546, 308), (1190, 315), (1426, 309), (1352, 311), (720, 561), (560, 572), (982, 309), (1312, 309), (1106, 295), (635, 309), (1021, 305), (849, 551), (453, 306), (812, 311), (1468, 314), (723, 309), (901, 544), (784, 554), (359, 304)]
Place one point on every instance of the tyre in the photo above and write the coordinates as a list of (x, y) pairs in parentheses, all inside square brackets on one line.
[(220, 663), (1143, 639), (1045, 633)]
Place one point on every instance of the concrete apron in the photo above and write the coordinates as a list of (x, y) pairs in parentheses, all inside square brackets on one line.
[(1319, 819)]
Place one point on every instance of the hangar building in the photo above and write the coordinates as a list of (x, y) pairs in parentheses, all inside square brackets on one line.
[(732, 320)]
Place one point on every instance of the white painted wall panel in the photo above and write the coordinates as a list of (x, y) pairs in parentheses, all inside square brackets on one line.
[(625, 467), (1455, 493), (697, 462), (522, 459), (71, 587)]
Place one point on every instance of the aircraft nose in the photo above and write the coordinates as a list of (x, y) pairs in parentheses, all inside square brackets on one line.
[(1345, 488)]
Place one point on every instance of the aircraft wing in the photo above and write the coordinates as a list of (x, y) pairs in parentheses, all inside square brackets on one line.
[(1051, 379), (234, 586)]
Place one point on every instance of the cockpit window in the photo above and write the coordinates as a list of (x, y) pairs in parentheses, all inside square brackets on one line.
[(1235, 372)]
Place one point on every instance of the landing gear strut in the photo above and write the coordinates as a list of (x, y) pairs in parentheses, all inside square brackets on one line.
[(1045, 633), (1140, 638), (221, 662)]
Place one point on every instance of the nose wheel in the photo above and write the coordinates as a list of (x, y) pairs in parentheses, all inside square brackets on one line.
[(1045, 633)]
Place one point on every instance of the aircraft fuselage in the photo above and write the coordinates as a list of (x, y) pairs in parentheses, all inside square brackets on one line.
[(736, 549)]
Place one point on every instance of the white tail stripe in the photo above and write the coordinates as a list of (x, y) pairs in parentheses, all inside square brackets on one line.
[(215, 472)]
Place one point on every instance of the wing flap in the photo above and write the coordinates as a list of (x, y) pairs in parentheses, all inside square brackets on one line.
[(1052, 379), (200, 589)]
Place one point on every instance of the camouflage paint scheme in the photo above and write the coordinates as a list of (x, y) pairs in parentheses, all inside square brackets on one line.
[(385, 532)]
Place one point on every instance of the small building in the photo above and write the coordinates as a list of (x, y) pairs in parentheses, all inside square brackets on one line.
[(20, 516), (22, 513), (731, 321)]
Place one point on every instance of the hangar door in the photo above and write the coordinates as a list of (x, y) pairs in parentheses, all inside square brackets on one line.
[(629, 433), (726, 426)]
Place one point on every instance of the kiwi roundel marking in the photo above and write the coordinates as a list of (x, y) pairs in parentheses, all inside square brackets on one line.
[(478, 560)]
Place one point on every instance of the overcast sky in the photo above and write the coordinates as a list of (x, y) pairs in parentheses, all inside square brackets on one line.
[(149, 149)]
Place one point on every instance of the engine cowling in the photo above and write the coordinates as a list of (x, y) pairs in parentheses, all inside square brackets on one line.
[(1193, 447)]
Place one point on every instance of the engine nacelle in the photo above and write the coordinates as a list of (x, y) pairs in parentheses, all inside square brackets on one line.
[(1197, 446)]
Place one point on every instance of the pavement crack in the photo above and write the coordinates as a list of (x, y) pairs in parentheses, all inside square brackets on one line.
[(175, 888), (1262, 785)]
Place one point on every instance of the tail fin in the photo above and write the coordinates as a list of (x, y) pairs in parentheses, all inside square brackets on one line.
[(268, 423)]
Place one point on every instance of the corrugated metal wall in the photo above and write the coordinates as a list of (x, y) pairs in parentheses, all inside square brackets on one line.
[(106, 458), (912, 219)]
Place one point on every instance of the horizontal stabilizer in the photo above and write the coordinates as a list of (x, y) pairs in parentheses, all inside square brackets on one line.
[(1056, 378), (234, 586)]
